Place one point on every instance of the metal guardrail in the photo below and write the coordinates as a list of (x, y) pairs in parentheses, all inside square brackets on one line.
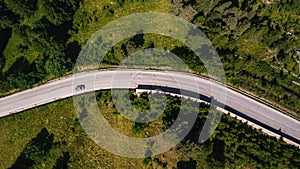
[(254, 97)]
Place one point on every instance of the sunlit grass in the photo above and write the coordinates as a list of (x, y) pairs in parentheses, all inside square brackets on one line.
[(100, 16)]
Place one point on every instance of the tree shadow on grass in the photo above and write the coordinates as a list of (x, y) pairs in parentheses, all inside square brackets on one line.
[(62, 162), (35, 151)]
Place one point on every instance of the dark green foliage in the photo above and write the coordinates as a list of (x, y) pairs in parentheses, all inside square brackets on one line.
[(233, 144), (250, 36), (59, 12), (7, 17), (236, 144), (22, 76), (61, 163), (24, 8), (147, 161), (171, 112), (138, 128), (35, 32), (188, 57), (239, 141), (187, 164), (56, 65), (72, 50), (4, 36)]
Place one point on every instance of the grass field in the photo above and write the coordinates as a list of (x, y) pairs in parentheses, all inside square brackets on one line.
[(60, 119), (52, 136), (101, 12)]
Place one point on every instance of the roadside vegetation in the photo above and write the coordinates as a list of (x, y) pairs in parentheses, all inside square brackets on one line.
[(51, 136), (256, 40), (40, 40), (251, 37)]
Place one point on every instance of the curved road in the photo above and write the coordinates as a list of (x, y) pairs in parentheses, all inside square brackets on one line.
[(261, 114)]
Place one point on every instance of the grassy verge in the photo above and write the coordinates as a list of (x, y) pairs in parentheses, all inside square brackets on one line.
[(51, 136)]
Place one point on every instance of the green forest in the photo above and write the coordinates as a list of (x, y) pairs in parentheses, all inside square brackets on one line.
[(51, 136)]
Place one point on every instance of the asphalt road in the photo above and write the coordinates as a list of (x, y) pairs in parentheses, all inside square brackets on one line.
[(97, 80)]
